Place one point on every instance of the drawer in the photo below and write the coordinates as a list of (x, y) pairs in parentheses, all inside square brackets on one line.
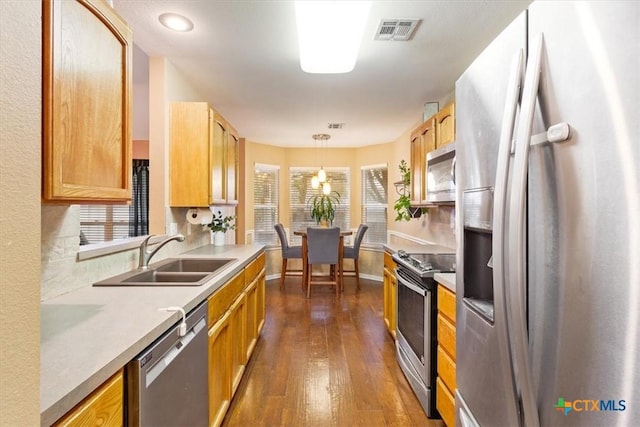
[(447, 336), (254, 268), (103, 407), (260, 262), (446, 369), (250, 271), (447, 303), (221, 300), (389, 262), (445, 403)]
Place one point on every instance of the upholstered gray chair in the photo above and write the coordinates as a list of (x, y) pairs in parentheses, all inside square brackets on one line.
[(288, 252), (353, 252), (323, 246)]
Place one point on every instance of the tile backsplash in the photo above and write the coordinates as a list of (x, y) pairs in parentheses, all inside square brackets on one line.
[(61, 272)]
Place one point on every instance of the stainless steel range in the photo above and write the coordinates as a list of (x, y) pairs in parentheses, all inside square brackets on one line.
[(416, 325)]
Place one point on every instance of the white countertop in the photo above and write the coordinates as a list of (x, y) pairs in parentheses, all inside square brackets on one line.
[(89, 334), (446, 279)]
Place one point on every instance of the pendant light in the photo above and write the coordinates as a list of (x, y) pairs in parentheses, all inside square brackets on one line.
[(321, 176)]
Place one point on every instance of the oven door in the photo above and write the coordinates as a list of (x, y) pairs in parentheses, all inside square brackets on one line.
[(414, 324)]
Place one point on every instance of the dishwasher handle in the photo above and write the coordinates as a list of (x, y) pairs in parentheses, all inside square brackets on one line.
[(175, 350)]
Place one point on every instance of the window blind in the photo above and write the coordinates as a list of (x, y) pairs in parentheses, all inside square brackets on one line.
[(104, 223), (374, 203), (300, 191), (265, 203)]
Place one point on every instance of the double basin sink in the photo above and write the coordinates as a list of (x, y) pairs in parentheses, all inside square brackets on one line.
[(170, 272)]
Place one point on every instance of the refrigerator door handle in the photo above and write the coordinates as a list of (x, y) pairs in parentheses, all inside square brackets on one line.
[(517, 239), (499, 258)]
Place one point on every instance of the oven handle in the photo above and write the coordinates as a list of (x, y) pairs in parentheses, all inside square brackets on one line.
[(405, 282)]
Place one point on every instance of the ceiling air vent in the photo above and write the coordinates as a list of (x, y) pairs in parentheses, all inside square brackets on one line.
[(396, 29), (335, 125)]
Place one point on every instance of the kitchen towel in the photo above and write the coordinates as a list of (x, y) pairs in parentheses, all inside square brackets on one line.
[(199, 216)]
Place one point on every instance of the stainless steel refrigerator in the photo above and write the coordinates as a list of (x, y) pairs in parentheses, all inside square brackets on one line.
[(548, 193)]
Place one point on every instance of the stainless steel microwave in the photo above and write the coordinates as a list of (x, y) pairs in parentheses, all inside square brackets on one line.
[(441, 174)]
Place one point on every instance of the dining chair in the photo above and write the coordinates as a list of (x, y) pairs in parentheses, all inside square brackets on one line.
[(288, 252), (323, 247), (353, 252)]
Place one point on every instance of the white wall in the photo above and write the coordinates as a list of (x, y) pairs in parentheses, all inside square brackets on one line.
[(20, 139)]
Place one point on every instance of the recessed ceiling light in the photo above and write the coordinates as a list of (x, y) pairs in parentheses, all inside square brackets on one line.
[(329, 34), (175, 22)]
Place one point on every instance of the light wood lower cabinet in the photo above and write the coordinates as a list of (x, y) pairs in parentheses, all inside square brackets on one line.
[(219, 369), (238, 321), (390, 295), (446, 355), (236, 313), (103, 407)]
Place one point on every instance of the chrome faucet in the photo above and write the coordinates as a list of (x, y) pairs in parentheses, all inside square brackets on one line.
[(146, 255)]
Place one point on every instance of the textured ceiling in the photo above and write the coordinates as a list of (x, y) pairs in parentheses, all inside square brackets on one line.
[(243, 57)]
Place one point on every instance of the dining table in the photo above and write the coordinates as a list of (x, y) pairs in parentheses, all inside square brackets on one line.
[(305, 265)]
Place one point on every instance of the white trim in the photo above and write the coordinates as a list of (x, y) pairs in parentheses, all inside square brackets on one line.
[(107, 248), (315, 168), (378, 166), (265, 166)]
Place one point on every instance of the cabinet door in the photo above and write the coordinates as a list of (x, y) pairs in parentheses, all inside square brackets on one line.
[(219, 370), (417, 169), (238, 324), (189, 158), (87, 54), (429, 142), (386, 298), (394, 305), (218, 169), (233, 145), (446, 125), (104, 407), (252, 317), (262, 302)]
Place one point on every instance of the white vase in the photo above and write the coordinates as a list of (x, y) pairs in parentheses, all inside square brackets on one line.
[(217, 238)]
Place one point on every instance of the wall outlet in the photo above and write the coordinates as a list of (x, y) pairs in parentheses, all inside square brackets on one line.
[(173, 229)]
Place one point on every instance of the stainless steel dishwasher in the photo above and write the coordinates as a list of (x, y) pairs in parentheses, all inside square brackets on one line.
[(167, 382)]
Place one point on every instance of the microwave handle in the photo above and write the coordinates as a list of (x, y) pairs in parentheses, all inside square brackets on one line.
[(453, 170)]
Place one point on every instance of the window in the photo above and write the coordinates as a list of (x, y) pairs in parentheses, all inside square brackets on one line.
[(104, 223), (265, 203), (300, 191), (374, 203)]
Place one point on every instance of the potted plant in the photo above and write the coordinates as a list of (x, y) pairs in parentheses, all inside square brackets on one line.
[(402, 206), (219, 225), (323, 209)]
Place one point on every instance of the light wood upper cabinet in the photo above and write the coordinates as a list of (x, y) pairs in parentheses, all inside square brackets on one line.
[(445, 122), (202, 161), (87, 56), (233, 149), (417, 169), (437, 131)]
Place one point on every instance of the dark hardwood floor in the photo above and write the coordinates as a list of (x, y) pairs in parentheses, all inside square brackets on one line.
[(325, 361)]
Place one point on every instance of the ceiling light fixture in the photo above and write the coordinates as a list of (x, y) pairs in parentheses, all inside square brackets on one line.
[(329, 34), (176, 22), (321, 176)]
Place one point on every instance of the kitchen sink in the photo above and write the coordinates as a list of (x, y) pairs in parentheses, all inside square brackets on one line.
[(192, 265), (170, 272), (160, 277)]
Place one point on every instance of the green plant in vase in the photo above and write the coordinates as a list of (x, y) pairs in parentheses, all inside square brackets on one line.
[(222, 223), (219, 225), (323, 207)]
